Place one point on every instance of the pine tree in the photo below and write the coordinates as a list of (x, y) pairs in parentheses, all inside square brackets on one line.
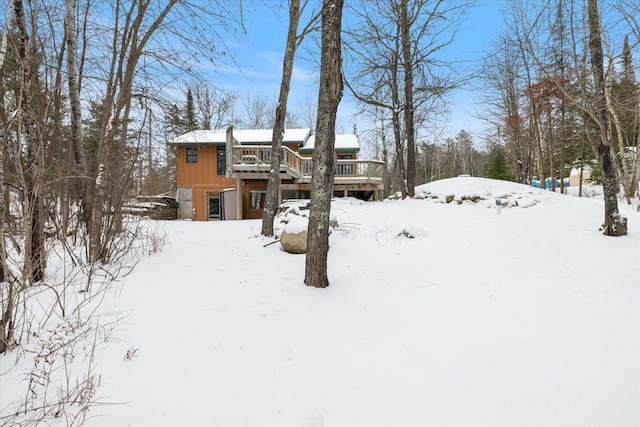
[(181, 120), (496, 166), (190, 113), (625, 97), (623, 108)]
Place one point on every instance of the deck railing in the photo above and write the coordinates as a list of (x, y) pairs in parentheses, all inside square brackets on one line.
[(256, 158)]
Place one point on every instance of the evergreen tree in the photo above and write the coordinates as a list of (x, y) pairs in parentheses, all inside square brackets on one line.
[(496, 166), (190, 113), (625, 95), (181, 120)]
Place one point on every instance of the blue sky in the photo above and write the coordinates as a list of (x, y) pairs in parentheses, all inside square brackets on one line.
[(259, 57)]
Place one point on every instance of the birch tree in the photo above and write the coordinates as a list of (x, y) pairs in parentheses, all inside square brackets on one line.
[(77, 138)]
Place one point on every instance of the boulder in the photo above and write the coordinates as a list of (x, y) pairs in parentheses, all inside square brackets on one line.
[(294, 243)]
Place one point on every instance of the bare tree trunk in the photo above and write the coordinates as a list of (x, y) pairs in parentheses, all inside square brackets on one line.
[(324, 152), (535, 127), (395, 120), (563, 138), (127, 51), (636, 173), (8, 285), (7, 319), (621, 167), (33, 206), (273, 185), (385, 159), (550, 147), (4, 141), (408, 96), (613, 224), (77, 139)]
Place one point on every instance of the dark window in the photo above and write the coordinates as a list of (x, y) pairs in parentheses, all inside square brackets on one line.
[(221, 155), (192, 155), (289, 194), (214, 206)]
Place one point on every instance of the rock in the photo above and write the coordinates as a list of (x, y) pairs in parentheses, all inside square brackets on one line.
[(618, 226), (449, 198), (294, 243), (473, 199)]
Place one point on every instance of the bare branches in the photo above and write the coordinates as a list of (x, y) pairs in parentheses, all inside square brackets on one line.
[(393, 60), (560, 55)]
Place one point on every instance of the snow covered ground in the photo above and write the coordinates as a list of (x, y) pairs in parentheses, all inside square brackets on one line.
[(438, 314)]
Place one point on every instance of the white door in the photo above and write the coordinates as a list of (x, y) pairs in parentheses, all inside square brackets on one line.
[(185, 204)]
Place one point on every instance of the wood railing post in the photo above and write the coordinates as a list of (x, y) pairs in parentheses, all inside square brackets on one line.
[(300, 167)]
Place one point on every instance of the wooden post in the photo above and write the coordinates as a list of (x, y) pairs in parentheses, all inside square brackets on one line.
[(239, 197), (229, 145)]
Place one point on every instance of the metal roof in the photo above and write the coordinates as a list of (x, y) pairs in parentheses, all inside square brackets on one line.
[(305, 138)]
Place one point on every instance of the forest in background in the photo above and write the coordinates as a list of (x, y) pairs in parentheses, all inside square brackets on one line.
[(92, 90)]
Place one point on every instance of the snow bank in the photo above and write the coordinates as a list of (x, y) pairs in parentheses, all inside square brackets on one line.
[(466, 189)]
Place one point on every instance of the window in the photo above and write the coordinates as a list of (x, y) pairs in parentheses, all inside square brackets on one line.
[(289, 194), (221, 160), (257, 199), (214, 206), (192, 155)]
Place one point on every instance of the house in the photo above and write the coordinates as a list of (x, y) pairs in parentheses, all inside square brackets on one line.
[(222, 174)]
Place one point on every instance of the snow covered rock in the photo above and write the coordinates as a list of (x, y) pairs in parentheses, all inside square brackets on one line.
[(293, 238)]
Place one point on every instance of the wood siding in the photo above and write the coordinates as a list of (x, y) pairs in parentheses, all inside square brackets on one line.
[(203, 172), (201, 177)]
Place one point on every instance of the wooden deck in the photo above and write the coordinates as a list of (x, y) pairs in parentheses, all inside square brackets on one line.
[(253, 162)]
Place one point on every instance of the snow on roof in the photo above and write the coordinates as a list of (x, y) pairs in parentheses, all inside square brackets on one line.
[(242, 136), (261, 136), (201, 137), (343, 143)]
